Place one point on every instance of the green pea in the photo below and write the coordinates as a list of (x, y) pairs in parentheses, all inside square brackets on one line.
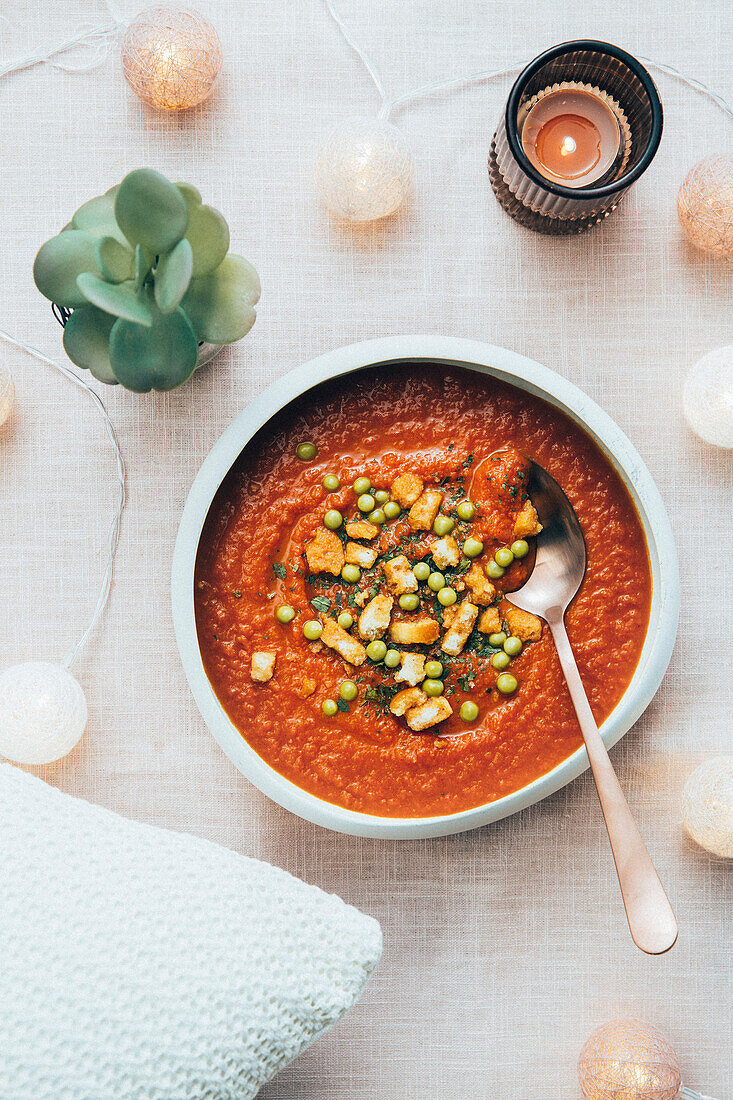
[(366, 502), (362, 485), (472, 548), (520, 548), (285, 613), (331, 483), (312, 630), (447, 596), (348, 690), (433, 687), (433, 669), (507, 683), (329, 707), (497, 639), (333, 519), (409, 601), (504, 557), (377, 517), (351, 573), (392, 509), (376, 651), (500, 660), (443, 525), (345, 620), (306, 451), (436, 581), (513, 646), (469, 711), (421, 569), (466, 510), (494, 570), (392, 658), (381, 496)]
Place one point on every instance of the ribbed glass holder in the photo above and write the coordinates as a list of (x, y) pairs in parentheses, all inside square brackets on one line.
[(549, 207)]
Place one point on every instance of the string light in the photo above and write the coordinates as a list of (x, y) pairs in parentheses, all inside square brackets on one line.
[(7, 394), (705, 206), (707, 397), (43, 711), (631, 1060), (171, 58), (707, 806)]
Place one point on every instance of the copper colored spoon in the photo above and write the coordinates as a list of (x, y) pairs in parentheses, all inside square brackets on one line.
[(556, 577)]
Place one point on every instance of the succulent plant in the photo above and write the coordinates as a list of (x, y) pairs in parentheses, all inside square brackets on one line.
[(146, 273)]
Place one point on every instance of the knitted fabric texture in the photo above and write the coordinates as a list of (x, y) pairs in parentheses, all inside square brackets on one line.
[(148, 964)]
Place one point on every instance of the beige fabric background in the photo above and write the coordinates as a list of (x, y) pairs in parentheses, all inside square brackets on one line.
[(505, 947)]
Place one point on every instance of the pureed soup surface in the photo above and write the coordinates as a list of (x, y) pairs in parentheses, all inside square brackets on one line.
[(462, 435)]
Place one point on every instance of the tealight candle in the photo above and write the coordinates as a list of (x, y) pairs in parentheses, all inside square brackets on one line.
[(571, 136)]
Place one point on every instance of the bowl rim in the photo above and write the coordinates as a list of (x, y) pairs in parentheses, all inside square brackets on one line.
[(525, 374)]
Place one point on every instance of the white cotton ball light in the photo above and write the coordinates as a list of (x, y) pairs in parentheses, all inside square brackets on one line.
[(7, 394), (43, 712), (707, 398), (171, 57), (364, 170), (705, 206), (707, 806)]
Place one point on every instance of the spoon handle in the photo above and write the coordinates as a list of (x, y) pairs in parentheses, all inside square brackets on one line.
[(651, 920)]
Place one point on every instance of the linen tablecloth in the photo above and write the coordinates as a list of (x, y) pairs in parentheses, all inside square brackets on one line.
[(506, 946)]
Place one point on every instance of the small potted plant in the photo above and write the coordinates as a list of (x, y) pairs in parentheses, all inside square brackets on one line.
[(143, 280)]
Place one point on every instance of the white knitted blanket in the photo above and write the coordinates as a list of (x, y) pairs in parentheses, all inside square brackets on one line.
[(142, 964)]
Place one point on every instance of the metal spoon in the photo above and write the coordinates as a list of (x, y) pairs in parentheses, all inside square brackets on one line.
[(557, 575)]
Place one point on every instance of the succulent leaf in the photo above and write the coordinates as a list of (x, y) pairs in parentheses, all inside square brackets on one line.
[(97, 217), (86, 341), (142, 266), (220, 305), (120, 299), (160, 357), (58, 263), (115, 261), (151, 211), (172, 276), (208, 232)]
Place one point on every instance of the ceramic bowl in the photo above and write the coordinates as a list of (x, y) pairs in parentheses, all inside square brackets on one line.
[(520, 372)]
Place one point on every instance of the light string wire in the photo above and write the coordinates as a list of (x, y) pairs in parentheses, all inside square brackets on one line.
[(390, 105), (114, 530), (98, 39)]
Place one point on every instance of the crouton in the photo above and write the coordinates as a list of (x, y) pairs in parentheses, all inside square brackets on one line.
[(361, 597), (347, 647), (360, 529), (523, 625), (324, 553), (306, 688), (356, 554), (399, 575), (263, 666), (406, 699), (449, 614), (412, 670), (423, 512), (446, 552), (481, 588), (490, 621), (406, 488), (428, 714), (375, 617), (457, 634), (526, 522), (419, 631)]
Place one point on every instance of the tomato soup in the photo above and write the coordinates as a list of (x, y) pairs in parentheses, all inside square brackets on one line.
[(350, 581)]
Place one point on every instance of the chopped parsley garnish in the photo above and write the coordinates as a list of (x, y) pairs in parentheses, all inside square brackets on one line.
[(237, 594), (321, 603), (342, 705), (279, 570)]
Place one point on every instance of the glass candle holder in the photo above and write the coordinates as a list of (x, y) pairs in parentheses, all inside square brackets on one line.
[(582, 122)]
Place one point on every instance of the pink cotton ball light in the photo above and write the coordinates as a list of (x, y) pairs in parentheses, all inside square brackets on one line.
[(628, 1060), (171, 58)]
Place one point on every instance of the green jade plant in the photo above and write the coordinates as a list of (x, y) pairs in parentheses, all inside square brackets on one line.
[(147, 273)]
